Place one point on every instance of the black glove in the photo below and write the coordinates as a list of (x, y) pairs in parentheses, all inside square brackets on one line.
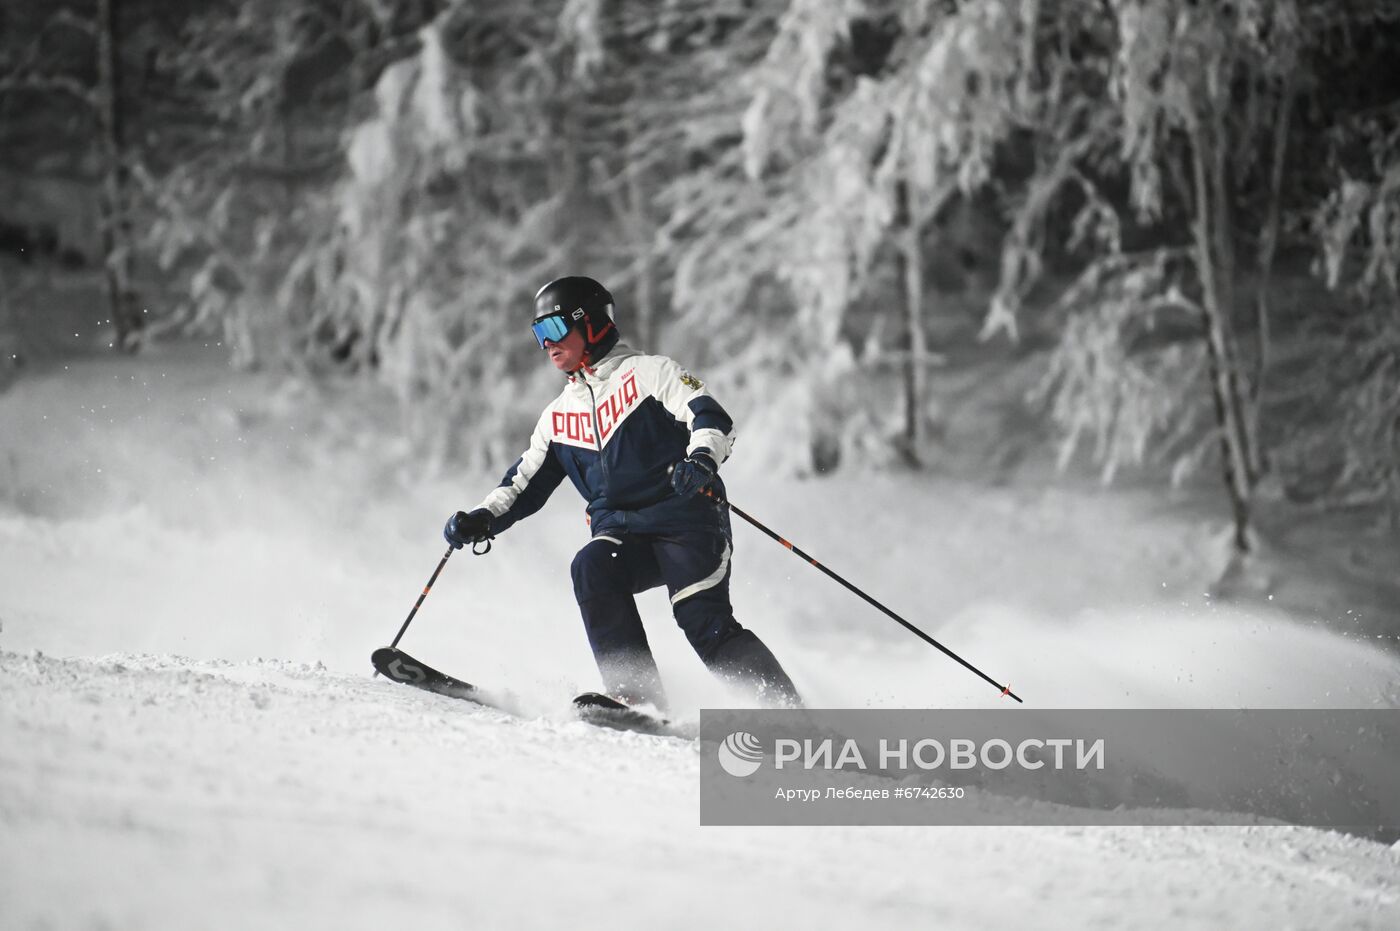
[(463, 528), (693, 473)]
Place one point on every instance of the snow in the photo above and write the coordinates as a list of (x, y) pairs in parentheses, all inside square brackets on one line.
[(195, 566)]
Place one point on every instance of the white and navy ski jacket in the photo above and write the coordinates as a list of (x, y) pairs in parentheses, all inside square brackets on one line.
[(615, 432)]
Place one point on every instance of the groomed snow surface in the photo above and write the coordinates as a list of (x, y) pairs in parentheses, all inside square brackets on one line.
[(194, 568)]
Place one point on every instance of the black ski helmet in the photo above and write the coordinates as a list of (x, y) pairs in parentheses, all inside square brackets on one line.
[(585, 304)]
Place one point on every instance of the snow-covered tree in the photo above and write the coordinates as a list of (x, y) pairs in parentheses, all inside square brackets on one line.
[(864, 122), (768, 185), (1121, 142), (72, 55), (244, 182), (1359, 228), (468, 186)]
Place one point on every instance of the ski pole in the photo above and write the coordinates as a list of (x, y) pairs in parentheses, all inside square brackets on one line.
[(1004, 689), (429, 587), (417, 604)]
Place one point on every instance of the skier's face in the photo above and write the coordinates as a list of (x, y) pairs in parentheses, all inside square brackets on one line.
[(567, 354)]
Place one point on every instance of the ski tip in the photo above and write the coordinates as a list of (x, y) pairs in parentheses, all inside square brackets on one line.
[(599, 700), (606, 711)]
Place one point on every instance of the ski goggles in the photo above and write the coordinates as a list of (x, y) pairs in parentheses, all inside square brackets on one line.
[(552, 328)]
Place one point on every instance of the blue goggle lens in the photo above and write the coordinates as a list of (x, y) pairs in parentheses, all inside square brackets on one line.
[(553, 328)]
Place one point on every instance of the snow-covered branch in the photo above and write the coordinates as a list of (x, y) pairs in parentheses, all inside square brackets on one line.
[(50, 84)]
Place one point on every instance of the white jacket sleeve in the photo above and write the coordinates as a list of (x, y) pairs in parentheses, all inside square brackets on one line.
[(687, 399), (527, 485)]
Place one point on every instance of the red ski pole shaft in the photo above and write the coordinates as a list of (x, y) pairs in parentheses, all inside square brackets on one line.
[(1005, 690)]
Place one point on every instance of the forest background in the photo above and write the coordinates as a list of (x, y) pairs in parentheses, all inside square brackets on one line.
[(1156, 238)]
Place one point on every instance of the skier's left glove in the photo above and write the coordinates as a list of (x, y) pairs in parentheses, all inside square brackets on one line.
[(693, 473), (463, 528)]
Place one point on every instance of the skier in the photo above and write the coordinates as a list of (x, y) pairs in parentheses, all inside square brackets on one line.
[(640, 438)]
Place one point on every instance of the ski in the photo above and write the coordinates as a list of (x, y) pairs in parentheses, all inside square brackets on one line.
[(395, 664), (592, 707), (604, 711)]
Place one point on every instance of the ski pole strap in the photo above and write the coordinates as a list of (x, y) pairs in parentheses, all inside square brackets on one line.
[(1005, 690)]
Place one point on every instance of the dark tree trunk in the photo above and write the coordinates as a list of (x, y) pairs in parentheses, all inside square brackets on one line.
[(641, 230), (116, 220), (1268, 248), (1214, 265), (909, 262), (915, 374)]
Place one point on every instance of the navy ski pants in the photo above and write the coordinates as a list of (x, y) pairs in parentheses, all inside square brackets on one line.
[(694, 567)]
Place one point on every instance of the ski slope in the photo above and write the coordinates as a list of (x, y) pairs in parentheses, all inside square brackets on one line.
[(194, 568)]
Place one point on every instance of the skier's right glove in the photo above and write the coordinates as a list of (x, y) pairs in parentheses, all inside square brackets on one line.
[(693, 473), (463, 528)]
